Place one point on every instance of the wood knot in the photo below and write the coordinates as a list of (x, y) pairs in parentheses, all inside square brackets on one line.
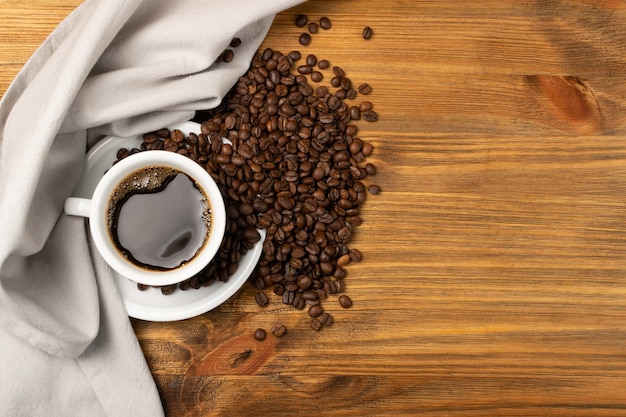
[(571, 103), (242, 355)]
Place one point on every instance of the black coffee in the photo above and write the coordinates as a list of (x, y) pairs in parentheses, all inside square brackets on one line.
[(159, 218)]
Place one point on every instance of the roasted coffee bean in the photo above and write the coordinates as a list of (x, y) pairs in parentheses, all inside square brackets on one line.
[(304, 69), (235, 43), (355, 255), (304, 282), (313, 27), (301, 20), (261, 299), (370, 115), (304, 39), (122, 153), (260, 334), (373, 189), (345, 301), (315, 310), (317, 76), (335, 81), (367, 149), (323, 64), (367, 33), (310, 295), (325, 319), (168, 289), (343, 260), (325, 23), (340, 272), (355, 113), (311, 60), (339, 72), (294, 55), (316, 325), (278, 330), (365, 89), (228, 55), (288, 297), (299, 303), (365, 106)]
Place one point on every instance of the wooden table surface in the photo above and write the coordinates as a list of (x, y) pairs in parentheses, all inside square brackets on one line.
[(493, 279)]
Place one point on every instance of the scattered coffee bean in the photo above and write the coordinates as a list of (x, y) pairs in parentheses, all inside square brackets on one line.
[(365, 89), (323, 64), (365, 106), (313, 27), (261, 299), (367, 33), (370, 115), (278, 330), (316, 325), (345, 301), (339, 72), (355, 255), (228, 55), (325, 23), (235, 43), (325, 319), (311, 60), (260, 334), (373, 189), (304, 39), (301, 20)]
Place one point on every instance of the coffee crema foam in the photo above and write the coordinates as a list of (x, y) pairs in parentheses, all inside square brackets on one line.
[(158, 218)]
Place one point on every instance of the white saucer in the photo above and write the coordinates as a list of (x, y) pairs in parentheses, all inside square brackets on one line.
[(151, 304)]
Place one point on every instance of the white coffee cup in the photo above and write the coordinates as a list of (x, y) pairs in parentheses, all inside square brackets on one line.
[(96, 210)]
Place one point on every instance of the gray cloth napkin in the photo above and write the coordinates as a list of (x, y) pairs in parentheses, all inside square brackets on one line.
[(119, 67)]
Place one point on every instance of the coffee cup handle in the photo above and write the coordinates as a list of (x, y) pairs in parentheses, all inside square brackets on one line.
[(75, 206)]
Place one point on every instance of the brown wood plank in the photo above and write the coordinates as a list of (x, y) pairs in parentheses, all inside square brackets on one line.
[(493, 279)]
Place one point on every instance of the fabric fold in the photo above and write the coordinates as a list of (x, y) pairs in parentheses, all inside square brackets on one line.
[(119, 67)]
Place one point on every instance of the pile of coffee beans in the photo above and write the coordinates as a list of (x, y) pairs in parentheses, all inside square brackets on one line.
[(294, 165)]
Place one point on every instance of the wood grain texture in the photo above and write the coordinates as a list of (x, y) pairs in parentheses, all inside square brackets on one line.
[(494, 274)]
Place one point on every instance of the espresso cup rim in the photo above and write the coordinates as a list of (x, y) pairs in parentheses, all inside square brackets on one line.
[(102, 238)]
